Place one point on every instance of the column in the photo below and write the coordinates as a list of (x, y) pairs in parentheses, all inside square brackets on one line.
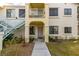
[(46, 29), (26, 33), (46, 33), (1, 40), (27, 23)]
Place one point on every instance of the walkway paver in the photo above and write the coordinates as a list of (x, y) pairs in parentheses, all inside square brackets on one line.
[(40, 49)]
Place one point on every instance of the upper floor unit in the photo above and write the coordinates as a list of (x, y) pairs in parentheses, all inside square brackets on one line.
[(38, 10), (12, 12)]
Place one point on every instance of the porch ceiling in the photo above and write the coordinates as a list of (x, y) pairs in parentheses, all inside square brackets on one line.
[(37, 23)]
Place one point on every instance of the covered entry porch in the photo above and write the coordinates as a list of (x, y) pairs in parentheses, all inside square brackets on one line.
[(37, 30)]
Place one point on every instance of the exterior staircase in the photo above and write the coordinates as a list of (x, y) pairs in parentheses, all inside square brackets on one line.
[(11, 30), (5, 24)]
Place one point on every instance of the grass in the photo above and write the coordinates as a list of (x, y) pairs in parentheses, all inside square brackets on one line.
[(64, 48), (18, 50)]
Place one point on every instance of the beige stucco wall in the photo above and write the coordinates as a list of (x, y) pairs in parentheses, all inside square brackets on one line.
[(65, 21), (20, 32), (29, 20), (3, 12), (61, 21)]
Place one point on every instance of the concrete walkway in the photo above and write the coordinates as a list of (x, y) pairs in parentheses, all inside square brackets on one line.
[(40, 49)]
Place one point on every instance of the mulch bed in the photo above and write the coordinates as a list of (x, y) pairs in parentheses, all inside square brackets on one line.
[(18, 50)]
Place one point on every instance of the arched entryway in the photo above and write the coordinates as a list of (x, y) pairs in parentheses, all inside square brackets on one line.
[(36, 30)]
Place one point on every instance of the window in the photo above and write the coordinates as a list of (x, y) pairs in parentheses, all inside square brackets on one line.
[(21, 13), (53, 11), (10, 13), (53, 29), (40, 12), (68, 30), (1, 29), (67, 11), (32, 30), (35, 12)]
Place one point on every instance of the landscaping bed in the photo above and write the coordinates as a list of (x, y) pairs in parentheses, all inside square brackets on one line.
[(18, 50), (64, 48)]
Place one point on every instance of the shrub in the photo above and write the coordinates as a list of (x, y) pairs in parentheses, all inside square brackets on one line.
[(50, 38), (31, 39), (9, 37), (7, 40), (53, 38), (6, 43), (15, 40), (18, 40)]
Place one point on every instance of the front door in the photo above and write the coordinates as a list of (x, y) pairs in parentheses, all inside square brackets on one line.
[(40, 32)]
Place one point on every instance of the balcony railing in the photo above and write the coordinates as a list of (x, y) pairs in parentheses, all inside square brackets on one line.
[(36, 13)]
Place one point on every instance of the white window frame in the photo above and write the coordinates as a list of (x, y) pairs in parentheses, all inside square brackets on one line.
[(67, 15), (13, 15), (18, 14), (55, 11), (67, 30)]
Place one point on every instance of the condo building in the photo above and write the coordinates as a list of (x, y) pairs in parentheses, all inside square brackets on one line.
[(40, 21)]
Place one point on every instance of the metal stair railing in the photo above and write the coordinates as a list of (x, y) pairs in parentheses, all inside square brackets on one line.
[(12, 30), (5, 24)]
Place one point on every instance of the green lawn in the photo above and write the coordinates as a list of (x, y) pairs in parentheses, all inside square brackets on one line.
[(64, 48)]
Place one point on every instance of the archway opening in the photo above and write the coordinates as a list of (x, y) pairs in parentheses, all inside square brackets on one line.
[(36, 30)]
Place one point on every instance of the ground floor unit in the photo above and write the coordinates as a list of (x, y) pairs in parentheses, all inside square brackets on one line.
[(41, 30)]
